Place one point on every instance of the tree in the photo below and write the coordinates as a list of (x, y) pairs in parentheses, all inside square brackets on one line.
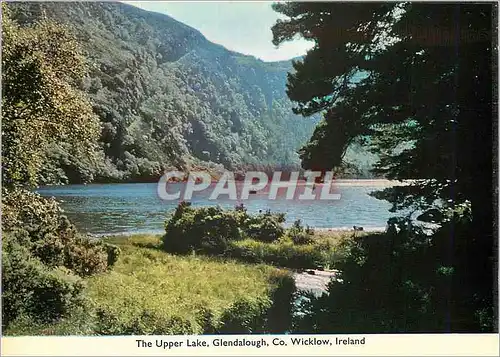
[(41, 68), (42, 254), (413, 81)]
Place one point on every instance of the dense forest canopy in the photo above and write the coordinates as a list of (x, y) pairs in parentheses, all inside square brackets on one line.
[(167, 97)]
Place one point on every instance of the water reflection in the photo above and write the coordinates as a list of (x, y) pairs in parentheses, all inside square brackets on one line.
[(134, 208)]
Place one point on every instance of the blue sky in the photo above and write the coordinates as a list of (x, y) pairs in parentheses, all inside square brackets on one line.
[(243, 27)]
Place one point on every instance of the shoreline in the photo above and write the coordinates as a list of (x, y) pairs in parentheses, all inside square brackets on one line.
[(343, 229), (317, 229), (371, 182)]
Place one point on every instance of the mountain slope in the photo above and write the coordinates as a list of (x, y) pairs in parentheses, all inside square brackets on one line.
[(167, 97)]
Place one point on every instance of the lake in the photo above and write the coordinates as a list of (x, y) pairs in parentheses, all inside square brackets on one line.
[(136, 208)]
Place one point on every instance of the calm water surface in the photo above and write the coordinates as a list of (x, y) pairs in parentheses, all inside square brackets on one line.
[(136, 208)]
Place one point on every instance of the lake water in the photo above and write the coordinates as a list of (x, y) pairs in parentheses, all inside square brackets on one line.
[(137, 208)]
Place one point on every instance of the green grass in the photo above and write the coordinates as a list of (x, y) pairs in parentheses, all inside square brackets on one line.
[(147, 279), (324, 251), (149, 291)]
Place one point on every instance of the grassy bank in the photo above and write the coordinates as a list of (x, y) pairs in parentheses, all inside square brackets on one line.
[(180, 288), (152, 292), (214, 271), (324, 250)]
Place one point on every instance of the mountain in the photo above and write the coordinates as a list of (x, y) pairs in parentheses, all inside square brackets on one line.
[(169, 98)]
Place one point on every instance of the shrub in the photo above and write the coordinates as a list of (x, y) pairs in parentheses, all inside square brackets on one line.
[(265, 227), (256, 239), (57, 293), (29, 211), (245, 316), (113, 253), (86, 257), (33, 289), (283, 253), (279, 317), (404, 281), (18, 272), (38, 224), (211, 229), (205, 229), (300, 235), (301, 238), (42, 258), (268, 314)]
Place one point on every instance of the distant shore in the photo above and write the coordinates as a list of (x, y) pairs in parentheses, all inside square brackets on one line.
[(339, 182), (370, 182)]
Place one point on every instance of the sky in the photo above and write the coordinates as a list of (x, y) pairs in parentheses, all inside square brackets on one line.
[(239, 26)]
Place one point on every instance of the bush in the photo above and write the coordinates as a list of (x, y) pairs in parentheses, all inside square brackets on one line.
[(272, 314), (29, 211), (300, 235), (205, 229), (211, 229), (283, 253), (30, 288), (280, 315), (113, 253), (405, 281), (245, 316), (38, 224), (57, 293), (42, 258), (86, 257), (265, 227), (255, 239)]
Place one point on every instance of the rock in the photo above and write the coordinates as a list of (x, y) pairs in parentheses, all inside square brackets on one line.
[(316, 282)]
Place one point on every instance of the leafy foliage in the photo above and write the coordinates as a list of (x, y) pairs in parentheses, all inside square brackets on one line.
[(300, 235), (265, 227), (37, 223), (43, 260), (41, 66), (422, 103), (212, 229), (400, 282), (259, 238), (30, 288), (43, 256), (205, 229)]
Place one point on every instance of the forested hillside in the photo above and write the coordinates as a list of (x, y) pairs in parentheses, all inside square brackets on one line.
[(167, 97)]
